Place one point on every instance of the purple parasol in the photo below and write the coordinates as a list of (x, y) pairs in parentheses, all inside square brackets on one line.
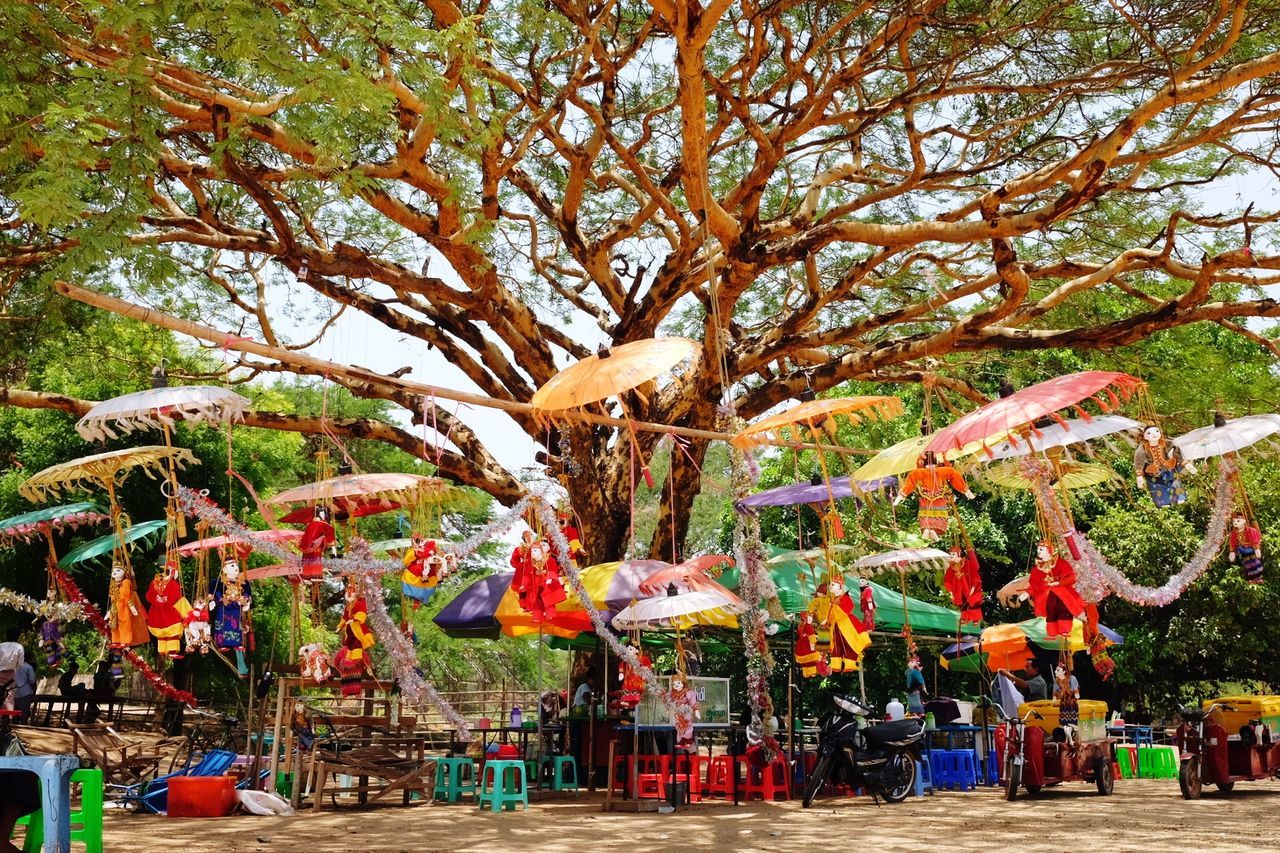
[(806, 493)]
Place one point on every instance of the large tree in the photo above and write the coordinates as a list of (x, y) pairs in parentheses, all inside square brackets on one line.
[(817, 191)]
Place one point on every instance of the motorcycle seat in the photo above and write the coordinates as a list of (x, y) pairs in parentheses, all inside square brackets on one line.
[(893, 730)]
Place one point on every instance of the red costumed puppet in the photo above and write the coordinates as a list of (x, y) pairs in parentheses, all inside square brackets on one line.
[(167, 609), (808, 658), (537, 578), (422, 571), (867, 600), (632, 681), (1053, 591), (933, 482), (317, 536), (353, 630), (964, 581), (571, 536), (1245, 547)]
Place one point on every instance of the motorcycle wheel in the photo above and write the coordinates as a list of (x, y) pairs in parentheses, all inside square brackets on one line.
[(819, 777), (906, 779), (1189, 779), (1012, 779), (1103, 776)]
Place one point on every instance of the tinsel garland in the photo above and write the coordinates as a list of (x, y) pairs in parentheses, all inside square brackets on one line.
[(1096, 578), (400, 649), (757, 589), (95, 618), (560, 548), (59, 611)]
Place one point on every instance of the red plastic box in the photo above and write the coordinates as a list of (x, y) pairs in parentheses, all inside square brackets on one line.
[(201, 796)]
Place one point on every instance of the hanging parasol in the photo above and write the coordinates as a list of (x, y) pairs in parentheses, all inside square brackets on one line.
[(104, 470), (1068, 475), (343, 509), (903, 561), (795, 579), (489, 609), (815, 413), (158, 408), (42, 522), (213, 542), (693, 574), (809, 493), (611, 372), (145, 533), (680, 611), (1009, 646), (386, 546), (1062, 434), (1002, 418), (407, 489), (612, 586), (904, 456), (1227, 436)]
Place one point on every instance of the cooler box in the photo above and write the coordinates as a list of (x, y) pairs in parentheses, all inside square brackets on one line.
[(1093, 717), (1248, 710), (201, 796)]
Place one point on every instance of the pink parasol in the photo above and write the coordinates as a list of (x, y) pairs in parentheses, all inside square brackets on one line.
[(193, 548), (342, 508), (1001, 418), (407, 488), (692, 575)]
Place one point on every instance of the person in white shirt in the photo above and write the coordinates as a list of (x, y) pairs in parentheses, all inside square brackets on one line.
[(12, 657)]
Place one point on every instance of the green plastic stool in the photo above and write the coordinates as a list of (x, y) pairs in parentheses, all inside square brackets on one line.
[(560, 780), (454, 777), (1146, 762), (1125, 758), (494, 788), (86, 822), (1166, 763)]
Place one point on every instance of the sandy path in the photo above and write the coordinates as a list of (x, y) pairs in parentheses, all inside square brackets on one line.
[(1145, 815)]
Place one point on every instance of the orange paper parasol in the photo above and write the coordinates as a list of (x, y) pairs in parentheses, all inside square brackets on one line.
[(611, 372), (815, 412)]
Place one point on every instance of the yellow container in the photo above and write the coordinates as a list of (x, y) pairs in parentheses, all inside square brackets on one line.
[(1248, 710), (1093, 717)]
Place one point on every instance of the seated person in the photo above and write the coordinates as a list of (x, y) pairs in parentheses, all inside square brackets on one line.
[(66, 682), (19, 796)]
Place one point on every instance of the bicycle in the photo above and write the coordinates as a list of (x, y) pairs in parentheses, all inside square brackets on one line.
[(194, 745)]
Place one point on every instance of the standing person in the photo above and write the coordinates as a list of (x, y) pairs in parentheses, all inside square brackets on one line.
[(12, 656), (582, 696), (1034, 688), (24, 688)]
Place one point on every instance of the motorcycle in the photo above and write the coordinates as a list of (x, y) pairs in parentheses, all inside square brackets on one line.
[(1213, 751), (1034, 760), (880, 758)]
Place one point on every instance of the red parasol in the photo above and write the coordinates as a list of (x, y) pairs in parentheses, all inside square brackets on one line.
[(343, 508), (193, 548), (691, 575), (1001, 418)]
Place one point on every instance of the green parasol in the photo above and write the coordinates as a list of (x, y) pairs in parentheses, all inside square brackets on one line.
[(145, 532)]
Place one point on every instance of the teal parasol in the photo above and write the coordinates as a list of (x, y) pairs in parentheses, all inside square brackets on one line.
[(146, 532)]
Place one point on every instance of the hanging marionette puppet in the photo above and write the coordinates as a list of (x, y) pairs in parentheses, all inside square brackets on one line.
[(167, 607), (934, 483), (867, 601), (632, 680), (963, 580), (316, 537), (1245, 547), (128, 619), (1157, 463), (231, 601), (352, 658), (537, 578), (571, 535), (51, 642), (808, 657), (848, 635), (422, 570), (685, 705), (1053, 591)]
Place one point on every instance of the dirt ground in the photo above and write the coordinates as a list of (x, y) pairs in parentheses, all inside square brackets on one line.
[(1143, 815)]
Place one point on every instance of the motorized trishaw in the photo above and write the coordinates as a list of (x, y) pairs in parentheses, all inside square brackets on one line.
[(1228, 740), (1037, 752)]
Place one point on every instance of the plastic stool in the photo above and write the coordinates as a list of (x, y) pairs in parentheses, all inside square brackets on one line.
[(720, 775), (954, 769), (560, 780), (769, 782), (494, 789), (54, 773), (651, 786), (622, 765), (1166, 762), (924, 781), (454, 777), (86, 822), (689, 770), (1126, 759)]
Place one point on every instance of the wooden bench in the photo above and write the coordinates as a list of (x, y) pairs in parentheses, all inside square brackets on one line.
[(53, 711)]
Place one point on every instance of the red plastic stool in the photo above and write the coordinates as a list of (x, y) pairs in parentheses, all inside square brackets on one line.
[(651, 786), (720, 775), (689, 770), (769, 782), (622, 765)]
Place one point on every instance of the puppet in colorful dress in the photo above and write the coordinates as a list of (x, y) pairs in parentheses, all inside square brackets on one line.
[(353, 630), (867, 600), (1067, 691), (1053, 591), (128, 618), (231, 601), (848, 635), (685, 706), (632, 681), (167, 607), (315, 663), (537, 578), (571, 536), (195, 630), (1245, 547), (1158, 464), (317, 536), (933, 483), (423, 567), (51, 641), (964, 581), (808, 657)]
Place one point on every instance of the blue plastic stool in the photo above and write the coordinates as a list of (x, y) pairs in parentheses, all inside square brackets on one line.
[(55, 793), (924, 778), (954, 769)]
